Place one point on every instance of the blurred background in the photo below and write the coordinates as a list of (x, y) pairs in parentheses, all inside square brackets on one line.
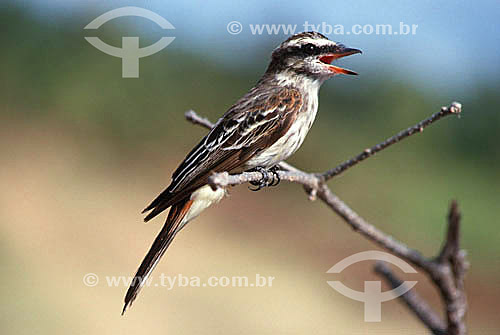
[(84, 150)]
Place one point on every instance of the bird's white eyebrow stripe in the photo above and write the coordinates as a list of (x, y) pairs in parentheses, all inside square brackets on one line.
[(305, 40)]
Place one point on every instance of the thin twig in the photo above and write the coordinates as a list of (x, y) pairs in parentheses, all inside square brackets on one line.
[(191, 116), (454, 108)]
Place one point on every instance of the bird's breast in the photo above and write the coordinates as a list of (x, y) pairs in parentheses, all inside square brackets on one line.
[(293, 138)]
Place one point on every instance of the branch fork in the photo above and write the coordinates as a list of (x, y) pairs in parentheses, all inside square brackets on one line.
[(446, 271)]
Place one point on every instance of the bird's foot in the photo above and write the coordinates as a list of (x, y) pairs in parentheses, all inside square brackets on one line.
[(276, 177), (270, 177)]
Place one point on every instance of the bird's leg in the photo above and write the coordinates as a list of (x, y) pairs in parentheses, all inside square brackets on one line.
[(264, 181)]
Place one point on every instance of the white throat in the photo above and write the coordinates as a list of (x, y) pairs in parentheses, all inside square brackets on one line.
[(302, 82)]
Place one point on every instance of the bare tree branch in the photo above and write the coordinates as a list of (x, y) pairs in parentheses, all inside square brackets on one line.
[(191, 116), (453, 265), (454, 108), (413, 301), (447, 271)]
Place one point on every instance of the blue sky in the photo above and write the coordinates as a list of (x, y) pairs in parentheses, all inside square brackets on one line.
[(457, 42)]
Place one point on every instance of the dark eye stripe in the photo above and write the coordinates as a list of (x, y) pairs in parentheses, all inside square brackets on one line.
[(305, 50), (310, 49)]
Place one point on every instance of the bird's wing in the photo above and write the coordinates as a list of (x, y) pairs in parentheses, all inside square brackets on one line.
[(253, 124)]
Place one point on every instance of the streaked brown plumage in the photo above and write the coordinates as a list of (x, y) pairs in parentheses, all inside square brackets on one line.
[(229, 145), (264, 127)]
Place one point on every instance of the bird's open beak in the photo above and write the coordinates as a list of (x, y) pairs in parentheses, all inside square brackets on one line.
[(339, 52)]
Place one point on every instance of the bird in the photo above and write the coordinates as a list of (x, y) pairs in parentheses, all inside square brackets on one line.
[(264, 127)]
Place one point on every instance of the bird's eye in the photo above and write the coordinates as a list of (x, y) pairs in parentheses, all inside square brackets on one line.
[(309, 48)]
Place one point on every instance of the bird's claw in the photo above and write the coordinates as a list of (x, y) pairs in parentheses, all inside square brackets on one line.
[(276, 177), (269, 178)]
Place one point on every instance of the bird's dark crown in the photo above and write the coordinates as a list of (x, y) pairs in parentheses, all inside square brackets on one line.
[(303, 45)]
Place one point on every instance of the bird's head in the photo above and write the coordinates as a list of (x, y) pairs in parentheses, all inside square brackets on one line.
[(310, 54)]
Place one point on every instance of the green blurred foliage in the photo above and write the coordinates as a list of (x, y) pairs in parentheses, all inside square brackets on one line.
[(50, 74)]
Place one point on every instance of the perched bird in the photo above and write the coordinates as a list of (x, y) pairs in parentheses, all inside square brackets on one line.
[(263, 128)]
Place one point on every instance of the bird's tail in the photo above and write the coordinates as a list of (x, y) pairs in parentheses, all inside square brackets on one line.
[(172, 226)]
